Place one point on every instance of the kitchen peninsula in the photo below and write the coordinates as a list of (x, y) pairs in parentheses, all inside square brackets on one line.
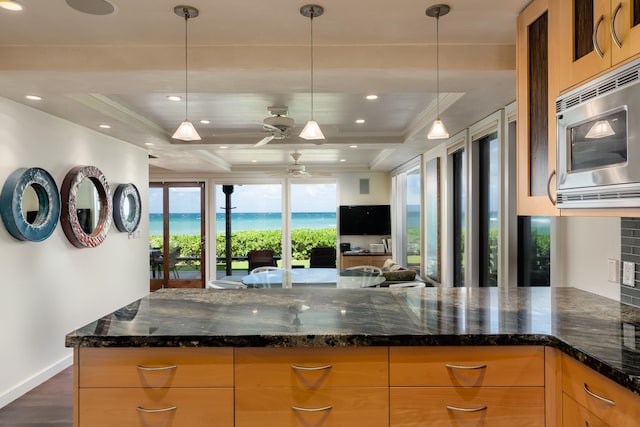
[(278, 356)]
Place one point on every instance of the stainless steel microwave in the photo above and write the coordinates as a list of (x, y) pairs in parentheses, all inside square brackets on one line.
[(598, 128)]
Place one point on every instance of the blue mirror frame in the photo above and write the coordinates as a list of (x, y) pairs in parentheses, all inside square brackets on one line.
[(46, 218), (126, 195)]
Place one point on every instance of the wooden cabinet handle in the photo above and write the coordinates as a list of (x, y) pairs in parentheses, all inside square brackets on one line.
[(602, 399), (451, 366), (594, 37), (315, 368), (614, 34), (458, 409), (159, 368), (324, 408), (156, 411)]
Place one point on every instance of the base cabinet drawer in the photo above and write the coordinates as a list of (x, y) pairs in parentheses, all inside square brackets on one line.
[(327, 407), (146, 407), (466, 406), (312, 367), (467, 367), (156, 367), (602, 397), (574, 414)]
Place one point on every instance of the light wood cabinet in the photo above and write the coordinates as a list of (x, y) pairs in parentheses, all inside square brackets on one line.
[(480, 386), (596, 396), (376, 260), (574, 414), (596, 35), (537, 89), (154, 386), (283, 387)]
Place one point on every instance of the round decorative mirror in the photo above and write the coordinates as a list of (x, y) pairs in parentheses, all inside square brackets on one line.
[(126, 208), (86, 206), (30, 204)]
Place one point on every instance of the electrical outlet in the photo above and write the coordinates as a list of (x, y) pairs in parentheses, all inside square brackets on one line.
[(628, 273)]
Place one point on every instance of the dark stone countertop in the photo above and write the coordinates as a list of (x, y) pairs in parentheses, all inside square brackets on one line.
[(602, 333)]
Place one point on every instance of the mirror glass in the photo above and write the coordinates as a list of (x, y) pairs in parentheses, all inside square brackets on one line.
[(30, 204), (128, 208), (88, 206)]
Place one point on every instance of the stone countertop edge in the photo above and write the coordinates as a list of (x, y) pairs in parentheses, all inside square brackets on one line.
[(574, 346)]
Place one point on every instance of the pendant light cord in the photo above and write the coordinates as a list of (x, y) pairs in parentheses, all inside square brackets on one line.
[(438, 65), (186, 80), (311, 42)]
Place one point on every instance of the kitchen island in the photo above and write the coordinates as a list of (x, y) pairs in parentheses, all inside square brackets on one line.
[(235, 336)]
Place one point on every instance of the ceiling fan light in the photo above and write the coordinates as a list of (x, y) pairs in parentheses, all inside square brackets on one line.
[(186, 132), (311, 131), (438, 130), (600, 129)]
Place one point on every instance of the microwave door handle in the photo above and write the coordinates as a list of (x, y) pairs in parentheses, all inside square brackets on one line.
[(594, 37), (551, 199)]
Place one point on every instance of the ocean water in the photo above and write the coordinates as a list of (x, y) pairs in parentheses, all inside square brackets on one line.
[(189, 223)]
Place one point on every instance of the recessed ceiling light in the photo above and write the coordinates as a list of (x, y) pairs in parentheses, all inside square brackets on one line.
[(353, 146), (223, 147), (174, 98), (343, 160), (372, 97), (105, 126), (254, 161), (148, 143), (360, 121), (205, 122), (11, 5), (34, 97)]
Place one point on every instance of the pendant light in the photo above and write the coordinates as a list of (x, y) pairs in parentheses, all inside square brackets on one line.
[(311, 130), (438, 129), (186, 131)]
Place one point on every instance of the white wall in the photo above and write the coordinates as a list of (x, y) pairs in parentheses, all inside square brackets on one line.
[(349, 194), (51, 288), (582, 247)]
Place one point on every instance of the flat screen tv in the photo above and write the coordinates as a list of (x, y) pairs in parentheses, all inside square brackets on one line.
[(361, 220)]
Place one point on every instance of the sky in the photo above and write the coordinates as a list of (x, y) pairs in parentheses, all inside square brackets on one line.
[(250, 198)]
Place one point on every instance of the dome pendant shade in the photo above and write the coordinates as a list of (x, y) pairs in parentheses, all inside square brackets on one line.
[(186, 132), (311, 131), (438, 130)]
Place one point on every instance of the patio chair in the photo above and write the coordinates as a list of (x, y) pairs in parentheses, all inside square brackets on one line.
[(260, 258)]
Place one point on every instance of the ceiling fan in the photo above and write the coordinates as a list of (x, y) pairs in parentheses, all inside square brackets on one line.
[(296, 170), (277, 125)]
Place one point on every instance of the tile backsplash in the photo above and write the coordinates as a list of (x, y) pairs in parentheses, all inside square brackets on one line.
[(630, 251)]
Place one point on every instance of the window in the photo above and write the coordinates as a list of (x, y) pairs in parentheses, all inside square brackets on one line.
[(412, 219), (534, 250), (488, 198), (459, 214)]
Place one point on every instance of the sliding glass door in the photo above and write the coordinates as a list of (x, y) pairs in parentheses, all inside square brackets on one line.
[(176, 235)]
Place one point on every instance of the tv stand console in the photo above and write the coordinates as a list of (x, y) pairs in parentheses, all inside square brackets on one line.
[(350, 259)]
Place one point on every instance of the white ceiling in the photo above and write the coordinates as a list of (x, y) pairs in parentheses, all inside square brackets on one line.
[(247, 55)]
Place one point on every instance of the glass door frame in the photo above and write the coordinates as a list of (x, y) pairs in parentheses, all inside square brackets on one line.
[(166, 281)]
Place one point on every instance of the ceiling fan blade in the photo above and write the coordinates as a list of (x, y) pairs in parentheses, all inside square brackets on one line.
[(264, 140)]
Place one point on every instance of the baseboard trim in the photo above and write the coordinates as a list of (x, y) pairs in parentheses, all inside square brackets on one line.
[(34, 381)]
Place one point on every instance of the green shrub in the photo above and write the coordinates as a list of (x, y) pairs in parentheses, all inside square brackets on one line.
[(302, 240)]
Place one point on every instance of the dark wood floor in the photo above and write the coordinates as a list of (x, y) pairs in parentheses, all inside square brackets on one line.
[(50, 404)]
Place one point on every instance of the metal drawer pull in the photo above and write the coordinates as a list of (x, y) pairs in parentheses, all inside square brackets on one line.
[(156, 411), (450, 366), (594, 37), (161, 368), (592, 394), (324, 408), (316, 368), (455, 408), (614, 34)]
